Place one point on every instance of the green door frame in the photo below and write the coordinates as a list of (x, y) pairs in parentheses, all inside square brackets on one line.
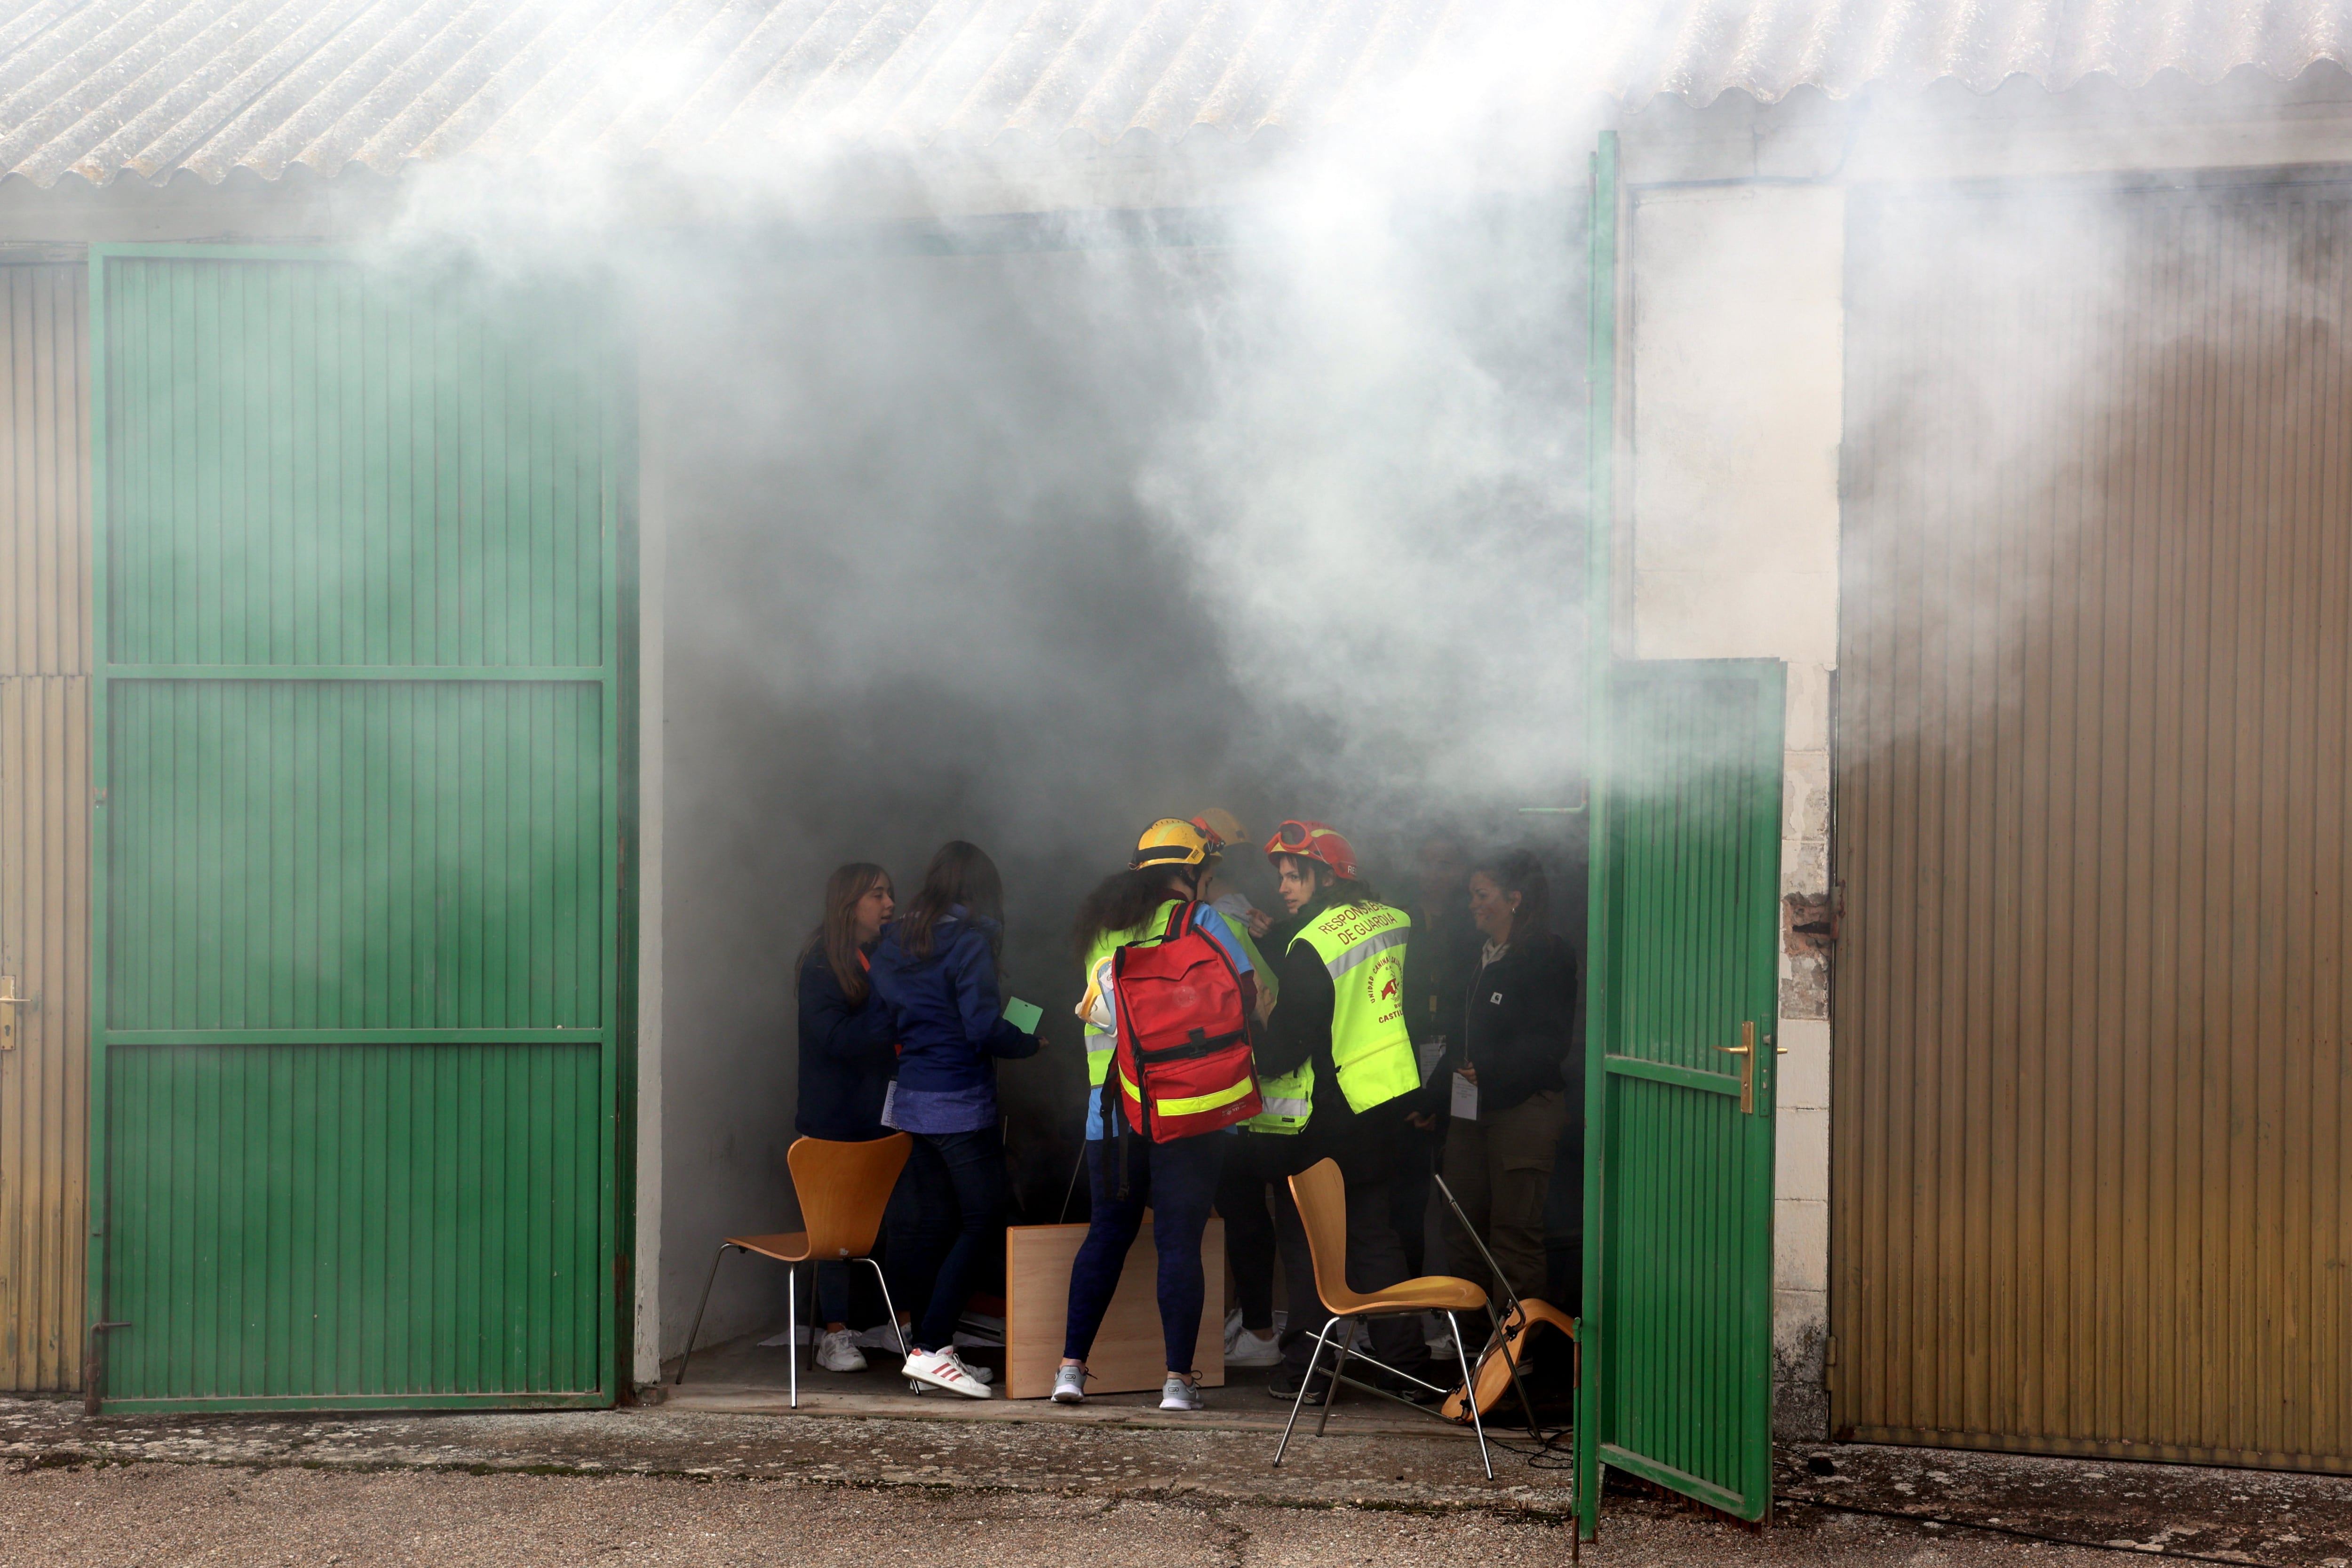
[(616, 676)]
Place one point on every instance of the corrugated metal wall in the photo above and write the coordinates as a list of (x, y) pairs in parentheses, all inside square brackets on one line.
[(358, 1052), (2091, 989), (44, 819)]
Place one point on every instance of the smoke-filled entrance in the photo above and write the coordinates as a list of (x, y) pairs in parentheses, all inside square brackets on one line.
[(1031, 546)]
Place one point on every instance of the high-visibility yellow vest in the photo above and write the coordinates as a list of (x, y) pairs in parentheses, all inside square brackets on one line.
[(1101, 1043), (1290, 1099), (1362, 947)]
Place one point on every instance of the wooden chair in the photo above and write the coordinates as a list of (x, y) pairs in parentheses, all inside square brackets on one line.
[(843, 1189), (1322, 1196)]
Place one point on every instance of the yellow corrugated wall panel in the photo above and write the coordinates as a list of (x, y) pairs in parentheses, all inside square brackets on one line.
[(2091, 1067), (43, 820)]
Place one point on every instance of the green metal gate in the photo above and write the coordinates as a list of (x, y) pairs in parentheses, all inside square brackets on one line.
[(360, 705), (1677, 1325)]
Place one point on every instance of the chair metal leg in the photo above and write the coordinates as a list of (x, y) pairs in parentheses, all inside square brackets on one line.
[(889, 1308), (1305, 1381), (696, 1332), (704, 1305), (792, 1332), (1470, 1392), (1500, 1342), (1338, 1370)]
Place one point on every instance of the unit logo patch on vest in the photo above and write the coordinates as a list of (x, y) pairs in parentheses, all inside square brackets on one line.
[(1385, 984)]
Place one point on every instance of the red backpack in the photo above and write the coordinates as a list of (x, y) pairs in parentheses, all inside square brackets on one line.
[(1182, 1062)]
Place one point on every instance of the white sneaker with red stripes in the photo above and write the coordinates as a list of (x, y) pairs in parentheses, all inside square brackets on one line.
[(945, 1369)]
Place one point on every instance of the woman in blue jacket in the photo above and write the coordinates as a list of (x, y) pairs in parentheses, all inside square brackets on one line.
[(936, 970)]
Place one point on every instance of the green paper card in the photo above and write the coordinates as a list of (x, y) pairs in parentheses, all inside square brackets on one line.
[(1023, 1016)]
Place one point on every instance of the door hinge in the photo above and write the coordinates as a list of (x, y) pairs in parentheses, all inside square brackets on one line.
[(1829, 1364)]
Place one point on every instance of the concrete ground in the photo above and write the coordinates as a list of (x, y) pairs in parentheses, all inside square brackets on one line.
[(720, 1473)]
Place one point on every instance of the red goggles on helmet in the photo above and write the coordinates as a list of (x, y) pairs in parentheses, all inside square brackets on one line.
[(1314, 841)]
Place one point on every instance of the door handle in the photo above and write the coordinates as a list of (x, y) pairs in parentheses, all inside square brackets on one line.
[(1746, 1051), (9, 999)]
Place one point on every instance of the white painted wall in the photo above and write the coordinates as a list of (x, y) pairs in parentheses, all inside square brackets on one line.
[(653, 556), (1735, 380)]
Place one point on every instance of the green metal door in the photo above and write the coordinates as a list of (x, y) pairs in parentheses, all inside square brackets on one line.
[(359, 718), (1677, 1327)]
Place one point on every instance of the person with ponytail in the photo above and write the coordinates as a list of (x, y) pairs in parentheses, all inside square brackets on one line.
[(1174, 862), (936, 970)]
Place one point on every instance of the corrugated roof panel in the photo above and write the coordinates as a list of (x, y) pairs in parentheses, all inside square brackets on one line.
[(149, 87), (1701, 49), (152, 87)]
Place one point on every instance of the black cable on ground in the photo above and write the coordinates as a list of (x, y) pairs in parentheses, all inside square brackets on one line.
[(1827, 1504)]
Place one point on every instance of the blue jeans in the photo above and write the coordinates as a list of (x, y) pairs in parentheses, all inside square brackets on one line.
[(967, 1169), (1178, 1182), (832, 1294)]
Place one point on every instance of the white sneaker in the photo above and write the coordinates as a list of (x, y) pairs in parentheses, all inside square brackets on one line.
[(1249, 1349), (1069, 1385), (1176, 1393), (838, 1351), (945, 1369)]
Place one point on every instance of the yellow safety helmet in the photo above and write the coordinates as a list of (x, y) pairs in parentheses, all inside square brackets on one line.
[(1173, 841), (1222, 826)]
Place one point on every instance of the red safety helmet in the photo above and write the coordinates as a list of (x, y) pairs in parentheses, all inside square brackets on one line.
[(1315, 841)]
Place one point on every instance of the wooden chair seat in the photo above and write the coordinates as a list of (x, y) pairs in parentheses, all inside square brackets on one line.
[(1430, 1293), (784, 1247)]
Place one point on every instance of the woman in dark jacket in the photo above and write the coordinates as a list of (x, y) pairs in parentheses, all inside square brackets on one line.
[(936, 970), (1511, 1108), (848, 1042), (848, 1051)]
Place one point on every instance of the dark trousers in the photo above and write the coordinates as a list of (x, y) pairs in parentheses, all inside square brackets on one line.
[(1178, 1182), (914, 1227), (968, 1168), (1409, 1199), (1257, 1167), (1499, 1167)]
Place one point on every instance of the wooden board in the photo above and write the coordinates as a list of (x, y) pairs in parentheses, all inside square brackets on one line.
[(1127, 1353)]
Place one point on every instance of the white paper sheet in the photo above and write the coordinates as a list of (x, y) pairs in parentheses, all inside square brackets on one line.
[(1465, 1098)]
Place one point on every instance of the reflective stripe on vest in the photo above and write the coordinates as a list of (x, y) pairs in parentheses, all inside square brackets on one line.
[(1367, 950), (1289, 1100), (1098, 1054), (1364, 947)]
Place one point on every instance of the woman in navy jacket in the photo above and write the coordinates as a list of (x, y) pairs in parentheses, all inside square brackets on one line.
[(936, 970), (848, 1040), (847, 1051)]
